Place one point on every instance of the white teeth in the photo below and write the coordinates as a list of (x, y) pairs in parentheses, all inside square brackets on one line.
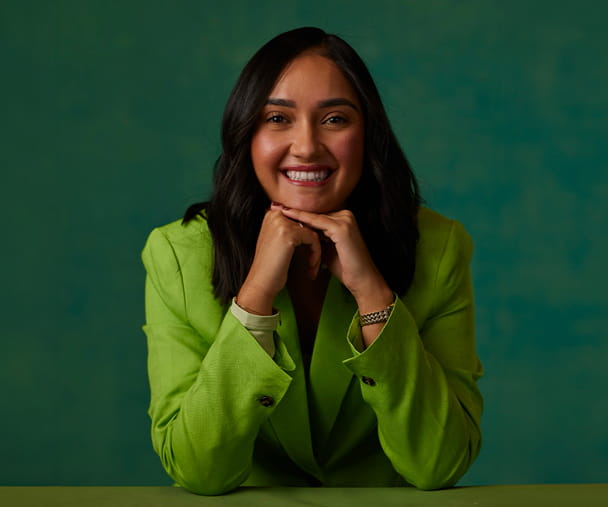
[(307, 175)]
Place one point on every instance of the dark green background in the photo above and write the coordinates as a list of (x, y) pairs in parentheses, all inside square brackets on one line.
[(110, 120)]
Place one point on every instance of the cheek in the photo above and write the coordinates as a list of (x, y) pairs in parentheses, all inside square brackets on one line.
[(265, 151), (265, 157), (349, 151)]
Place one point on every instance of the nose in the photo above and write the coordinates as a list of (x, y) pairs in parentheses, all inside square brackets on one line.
[(305, 143)]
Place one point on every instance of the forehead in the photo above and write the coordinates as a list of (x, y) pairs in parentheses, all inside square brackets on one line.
[(315, 76)]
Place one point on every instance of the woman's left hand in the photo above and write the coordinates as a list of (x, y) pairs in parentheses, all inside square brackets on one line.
[(348, 257)]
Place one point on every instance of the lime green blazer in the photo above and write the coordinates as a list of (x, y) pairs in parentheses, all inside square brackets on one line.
[(405, 411)]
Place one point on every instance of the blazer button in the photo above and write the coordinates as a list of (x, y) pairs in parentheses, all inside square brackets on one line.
[(368, 380), (266, 401)]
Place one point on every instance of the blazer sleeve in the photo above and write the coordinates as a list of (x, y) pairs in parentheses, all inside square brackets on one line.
[(209, 393), (422, 384)]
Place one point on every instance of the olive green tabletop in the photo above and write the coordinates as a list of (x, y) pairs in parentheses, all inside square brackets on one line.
[(550, 495)]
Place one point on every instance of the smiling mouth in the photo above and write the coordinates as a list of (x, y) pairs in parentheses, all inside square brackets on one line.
[(315, 176)]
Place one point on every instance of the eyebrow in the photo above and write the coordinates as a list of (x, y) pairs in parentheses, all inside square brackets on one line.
[(272, 101), (337, 102)]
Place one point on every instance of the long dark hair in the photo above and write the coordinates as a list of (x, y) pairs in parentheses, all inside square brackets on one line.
[(385, 201)]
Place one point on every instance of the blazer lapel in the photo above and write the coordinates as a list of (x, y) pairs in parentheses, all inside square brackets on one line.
[(329, 378), (290, 420)]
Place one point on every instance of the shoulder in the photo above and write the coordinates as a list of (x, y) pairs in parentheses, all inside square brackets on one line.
[(177, 242), (443, 255), (193, 233), (438, 234)]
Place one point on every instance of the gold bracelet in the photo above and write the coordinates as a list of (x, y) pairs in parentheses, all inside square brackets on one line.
[(376, 317)]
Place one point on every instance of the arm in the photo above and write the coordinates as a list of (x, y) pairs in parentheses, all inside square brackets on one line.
[(424, 391), (207, 390), (425, 395)]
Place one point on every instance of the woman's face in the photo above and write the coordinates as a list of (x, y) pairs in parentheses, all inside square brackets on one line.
[(307, 149)]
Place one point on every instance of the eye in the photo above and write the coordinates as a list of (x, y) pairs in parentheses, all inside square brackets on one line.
[(335, 119), (276, 118)]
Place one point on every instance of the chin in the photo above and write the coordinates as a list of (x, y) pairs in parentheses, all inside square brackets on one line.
[(310, 206)]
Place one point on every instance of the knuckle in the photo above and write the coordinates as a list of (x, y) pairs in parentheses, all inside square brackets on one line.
[(282, 231), (270, 216), (343, 227)]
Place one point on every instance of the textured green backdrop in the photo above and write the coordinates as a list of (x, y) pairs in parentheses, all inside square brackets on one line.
[(110, 119)]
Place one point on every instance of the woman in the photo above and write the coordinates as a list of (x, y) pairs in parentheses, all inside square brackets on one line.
[(311, 324)]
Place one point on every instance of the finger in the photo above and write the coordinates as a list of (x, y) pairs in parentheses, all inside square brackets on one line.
[(313, 220), (309, 238), (315, 257)]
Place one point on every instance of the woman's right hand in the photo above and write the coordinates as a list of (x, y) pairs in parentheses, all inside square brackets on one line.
[(278, 238)]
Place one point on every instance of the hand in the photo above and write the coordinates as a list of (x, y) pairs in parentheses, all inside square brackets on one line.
[(347, 256), (278, 238)]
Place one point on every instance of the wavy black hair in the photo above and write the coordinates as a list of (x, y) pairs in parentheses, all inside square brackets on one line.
[(385, 201)]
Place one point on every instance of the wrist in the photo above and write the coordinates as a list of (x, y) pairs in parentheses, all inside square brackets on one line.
[(374, 296), (376, 317), (254, 300)]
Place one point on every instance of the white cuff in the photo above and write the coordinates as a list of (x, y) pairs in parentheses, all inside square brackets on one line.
[(261, 327)]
